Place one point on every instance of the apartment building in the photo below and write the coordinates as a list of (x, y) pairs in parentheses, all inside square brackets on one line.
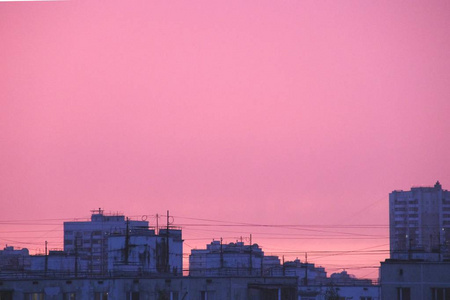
[(88, 240), (419, 223)]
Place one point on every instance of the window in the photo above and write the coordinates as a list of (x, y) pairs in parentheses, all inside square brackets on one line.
[(78, 242), (206, 295), (70, 296), (101, 296), (34, 296), (170, 295), (440, 294), (403, 293), (133, 296), (6, 295)]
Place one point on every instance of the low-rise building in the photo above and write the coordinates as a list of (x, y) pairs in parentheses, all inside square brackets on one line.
[(12, 260), (343, 278), (227, 259), (307, 273), (145, 252), (237, 259)]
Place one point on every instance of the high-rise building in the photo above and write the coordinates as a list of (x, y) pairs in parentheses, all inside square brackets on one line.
[(419, 223)]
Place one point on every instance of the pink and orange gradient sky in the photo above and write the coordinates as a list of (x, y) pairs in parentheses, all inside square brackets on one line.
[(263, 112)]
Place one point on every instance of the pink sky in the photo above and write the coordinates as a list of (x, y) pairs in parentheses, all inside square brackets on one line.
[(264, 112)]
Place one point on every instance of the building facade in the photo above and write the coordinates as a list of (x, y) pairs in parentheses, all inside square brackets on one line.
[(227, 259), (307, 273), (415, 280), (341, 292), (143, 253), (88, 241), (419, 233), (12, 260), (168, 288), (419, 223)]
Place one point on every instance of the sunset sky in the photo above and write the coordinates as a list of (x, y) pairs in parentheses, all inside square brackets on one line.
[(304, 114)]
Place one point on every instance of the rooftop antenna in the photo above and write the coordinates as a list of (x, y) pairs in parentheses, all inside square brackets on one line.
[(157, 226), (127, 242), (46, 259), (221, 254), (251, 261), (306, 270), (167, 243), (99, 211)]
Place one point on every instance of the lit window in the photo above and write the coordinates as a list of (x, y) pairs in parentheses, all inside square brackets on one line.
[(34, 296)]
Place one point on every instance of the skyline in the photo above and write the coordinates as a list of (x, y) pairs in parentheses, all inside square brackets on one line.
[(286, 113), (56, 242)]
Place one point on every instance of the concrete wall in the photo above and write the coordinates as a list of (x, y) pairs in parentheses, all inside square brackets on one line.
[(419, 277)]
